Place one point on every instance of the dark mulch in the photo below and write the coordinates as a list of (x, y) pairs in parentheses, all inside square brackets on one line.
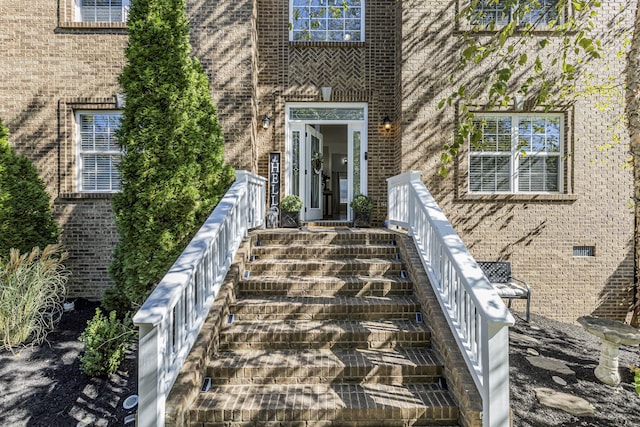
[(43, 386)]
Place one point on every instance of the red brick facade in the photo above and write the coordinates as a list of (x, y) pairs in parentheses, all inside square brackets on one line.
[(53, 66)]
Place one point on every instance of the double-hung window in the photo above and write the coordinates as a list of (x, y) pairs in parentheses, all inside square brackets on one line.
[(500, 12), (517, 153), (98, 151), (102, 10), (326, 20)]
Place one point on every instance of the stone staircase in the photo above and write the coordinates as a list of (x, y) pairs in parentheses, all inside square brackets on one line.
[(325, 331)]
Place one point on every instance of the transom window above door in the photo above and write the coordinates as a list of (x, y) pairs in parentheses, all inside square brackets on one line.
[(517, 153), (326, 20)]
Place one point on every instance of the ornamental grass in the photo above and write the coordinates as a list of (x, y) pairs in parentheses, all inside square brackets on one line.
[(32, 293)]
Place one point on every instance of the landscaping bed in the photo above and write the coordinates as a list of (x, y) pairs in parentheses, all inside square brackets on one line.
[(43, 385)]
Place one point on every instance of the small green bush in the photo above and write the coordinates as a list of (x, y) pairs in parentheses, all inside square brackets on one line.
[(25, 209), (636, 378), (32, 292), (291, 203), (105, 343), (362, 203)]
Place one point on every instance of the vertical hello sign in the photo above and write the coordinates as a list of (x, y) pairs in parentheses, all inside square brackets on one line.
[(274, 180)]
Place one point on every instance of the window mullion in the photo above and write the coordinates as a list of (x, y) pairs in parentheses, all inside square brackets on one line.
[(515, 153)]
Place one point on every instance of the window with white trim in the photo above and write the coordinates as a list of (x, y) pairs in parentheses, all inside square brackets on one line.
[(326, 20), (517, 153), (102, 10), (499, 12), (98, 151)]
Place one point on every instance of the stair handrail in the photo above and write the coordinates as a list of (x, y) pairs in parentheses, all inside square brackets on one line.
[(171, 317), (476, 315)]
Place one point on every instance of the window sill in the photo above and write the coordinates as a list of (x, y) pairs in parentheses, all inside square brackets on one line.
[(325, 44), (120, 27), (86, 196), (518, 198)]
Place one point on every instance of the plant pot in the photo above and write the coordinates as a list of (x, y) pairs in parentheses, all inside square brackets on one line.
[(362, 218), (290, 219)]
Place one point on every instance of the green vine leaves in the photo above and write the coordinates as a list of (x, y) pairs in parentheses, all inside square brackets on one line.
[(518, 50)]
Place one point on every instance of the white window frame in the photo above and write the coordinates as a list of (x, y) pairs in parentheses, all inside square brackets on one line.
[(325, 4), (500, 21), (517, 153), (122, 11), (113, 151)]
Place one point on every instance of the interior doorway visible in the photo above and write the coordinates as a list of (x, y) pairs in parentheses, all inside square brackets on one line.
[(326, 157)]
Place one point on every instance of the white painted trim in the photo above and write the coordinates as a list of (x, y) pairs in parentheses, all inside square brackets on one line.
[(77, 141), (363, 22), (515, 152), (297, 124)]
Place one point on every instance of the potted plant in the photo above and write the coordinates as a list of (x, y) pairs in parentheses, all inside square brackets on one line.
[(290, 207), (362, 206)]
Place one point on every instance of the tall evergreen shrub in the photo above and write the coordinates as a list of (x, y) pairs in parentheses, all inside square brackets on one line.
[(25, 211), (173, 173)]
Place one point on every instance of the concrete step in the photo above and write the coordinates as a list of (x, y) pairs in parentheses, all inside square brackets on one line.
[(360, 366), (334, 251), (328, 334), (328, 286), (325, 308), (360, 405), (324, 267)]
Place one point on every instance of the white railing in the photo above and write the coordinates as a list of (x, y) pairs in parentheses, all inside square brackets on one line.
[(478, 318), (170, 319)]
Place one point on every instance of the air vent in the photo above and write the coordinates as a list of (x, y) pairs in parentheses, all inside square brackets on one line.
[(584, 251)]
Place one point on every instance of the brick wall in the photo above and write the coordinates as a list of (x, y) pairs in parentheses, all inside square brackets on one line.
[(537, 234), (50, 66), (357, 72), (53, 66)]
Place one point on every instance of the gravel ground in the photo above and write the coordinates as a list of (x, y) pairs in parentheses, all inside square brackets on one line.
[(579, 350), (43, 386)]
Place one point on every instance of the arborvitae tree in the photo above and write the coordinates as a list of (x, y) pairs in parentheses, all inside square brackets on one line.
[(25, 209), (173, 173)]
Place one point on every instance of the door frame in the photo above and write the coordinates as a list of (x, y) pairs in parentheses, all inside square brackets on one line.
[(353, 125)]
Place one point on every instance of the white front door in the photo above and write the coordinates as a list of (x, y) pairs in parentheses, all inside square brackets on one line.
[(305, 142), (313, 161)]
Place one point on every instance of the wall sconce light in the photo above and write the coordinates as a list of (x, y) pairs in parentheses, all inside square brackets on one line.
[(121, 100), (266, 122), (326, 93), (518, 102), (386, 122), (344, 160)]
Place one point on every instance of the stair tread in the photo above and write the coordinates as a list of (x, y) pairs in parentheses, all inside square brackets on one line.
[(323, 279), (321, 246), (345, 260), (241, 359), (327, 300), (329, 399), (297, 326)]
